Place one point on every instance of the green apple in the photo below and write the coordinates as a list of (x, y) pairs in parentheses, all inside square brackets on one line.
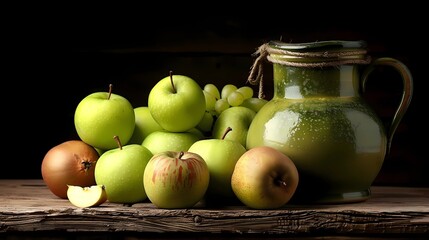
[(206, 123), (239, 119), (197, 132), (220, 156), (121, 170), (102, 115), (160, 141), (99, 151), (84, 197), (177, 103), (145, 124), (264, 178), (176, 179)]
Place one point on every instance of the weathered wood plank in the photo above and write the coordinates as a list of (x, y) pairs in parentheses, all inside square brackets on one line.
[(28, 206)]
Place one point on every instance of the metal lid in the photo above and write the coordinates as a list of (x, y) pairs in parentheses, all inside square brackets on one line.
[(318, 45)]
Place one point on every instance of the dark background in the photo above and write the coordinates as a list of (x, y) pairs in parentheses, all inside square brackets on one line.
[(53, 60)]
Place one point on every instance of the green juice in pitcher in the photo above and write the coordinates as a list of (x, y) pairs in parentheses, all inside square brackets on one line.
[(318, 118)]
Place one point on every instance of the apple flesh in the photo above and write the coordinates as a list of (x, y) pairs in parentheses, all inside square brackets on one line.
[(264, 178), (84, 197), (176, 179)]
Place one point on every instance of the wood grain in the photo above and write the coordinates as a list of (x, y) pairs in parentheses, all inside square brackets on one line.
[(27, 206)]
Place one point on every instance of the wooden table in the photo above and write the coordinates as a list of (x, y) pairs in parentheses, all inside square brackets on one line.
[(29, 209)]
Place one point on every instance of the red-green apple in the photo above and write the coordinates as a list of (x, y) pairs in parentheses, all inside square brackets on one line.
[(239, 119), (176, 179), (160, 141), (264, 178), (145, 124), (84, 197), (102, 115), (177, 103), (120, 171), (220, 156)]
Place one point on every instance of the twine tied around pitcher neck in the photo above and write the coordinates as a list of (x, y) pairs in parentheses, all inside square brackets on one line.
[(323, 59)]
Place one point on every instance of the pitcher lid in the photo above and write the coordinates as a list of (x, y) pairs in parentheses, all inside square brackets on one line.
[(319, 45)]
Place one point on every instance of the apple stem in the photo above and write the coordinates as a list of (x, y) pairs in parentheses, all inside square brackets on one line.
[(172, 83), (181, 154), (228, 129), (118, 141), (110, 91)]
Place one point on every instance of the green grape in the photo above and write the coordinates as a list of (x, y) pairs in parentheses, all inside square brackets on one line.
[(211, 88), (227, 89), (221, 105), (235, 98), (210, 100), (254, 103), (246, 91)]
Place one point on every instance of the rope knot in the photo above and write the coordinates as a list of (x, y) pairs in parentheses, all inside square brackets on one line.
[(314, 59), (256, 70)]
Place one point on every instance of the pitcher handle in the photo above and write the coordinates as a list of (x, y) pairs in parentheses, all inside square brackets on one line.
[(407, 93)]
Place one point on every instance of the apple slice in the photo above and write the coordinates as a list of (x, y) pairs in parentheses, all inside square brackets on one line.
[(86, 196)]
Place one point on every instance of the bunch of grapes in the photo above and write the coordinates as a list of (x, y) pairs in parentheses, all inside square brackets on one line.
[(229, 96)]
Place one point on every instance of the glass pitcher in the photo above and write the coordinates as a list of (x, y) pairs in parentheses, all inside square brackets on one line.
[(318, 117)]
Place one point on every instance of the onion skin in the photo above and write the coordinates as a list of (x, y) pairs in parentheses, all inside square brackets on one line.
[(69, 163)]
